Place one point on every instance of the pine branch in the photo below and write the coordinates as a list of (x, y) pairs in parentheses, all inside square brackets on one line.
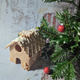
[(59, 69), (71, 2), (59, 54), (68, 1), (66, 69), (66, 44), (71, 70), (47, 32)]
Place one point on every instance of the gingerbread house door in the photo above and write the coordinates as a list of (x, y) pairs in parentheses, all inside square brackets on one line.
[(18, 61)]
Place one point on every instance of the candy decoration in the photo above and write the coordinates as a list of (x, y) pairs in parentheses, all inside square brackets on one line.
[(61, 28), (46, 70)]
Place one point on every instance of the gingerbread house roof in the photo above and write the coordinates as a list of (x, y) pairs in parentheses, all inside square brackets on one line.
[(27, 37), (30, 41), (24, 35)]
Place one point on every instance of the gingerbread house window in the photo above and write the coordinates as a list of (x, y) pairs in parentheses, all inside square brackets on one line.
[(18, 48)]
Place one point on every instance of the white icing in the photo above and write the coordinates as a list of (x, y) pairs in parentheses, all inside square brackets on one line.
[(28, 40)]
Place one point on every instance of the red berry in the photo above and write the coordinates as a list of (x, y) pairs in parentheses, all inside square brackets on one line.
[(46, 70), (61, 28)]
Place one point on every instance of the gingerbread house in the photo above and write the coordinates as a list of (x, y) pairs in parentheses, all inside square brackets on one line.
[(26, 48)]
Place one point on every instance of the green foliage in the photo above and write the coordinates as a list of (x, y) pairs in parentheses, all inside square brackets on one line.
[(71, 24), (59, 54), (47, 51), (48, 0), (47, 32), (66, 45), (68, 1), (62, 39), (65, 68)]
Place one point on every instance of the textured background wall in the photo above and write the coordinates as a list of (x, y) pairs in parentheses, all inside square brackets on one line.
[(18, 15)]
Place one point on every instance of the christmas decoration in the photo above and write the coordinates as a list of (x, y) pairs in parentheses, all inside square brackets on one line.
[(26, 48), (61, 28), (65, 46), (46, 70)]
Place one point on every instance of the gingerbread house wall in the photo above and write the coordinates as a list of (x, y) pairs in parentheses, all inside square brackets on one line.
[(22, 55), (34, 58)]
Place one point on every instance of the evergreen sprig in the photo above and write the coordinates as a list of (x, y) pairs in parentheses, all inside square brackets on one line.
[(68, 1), (65, 46), (65, 68), (45, 31), (59, 54)]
